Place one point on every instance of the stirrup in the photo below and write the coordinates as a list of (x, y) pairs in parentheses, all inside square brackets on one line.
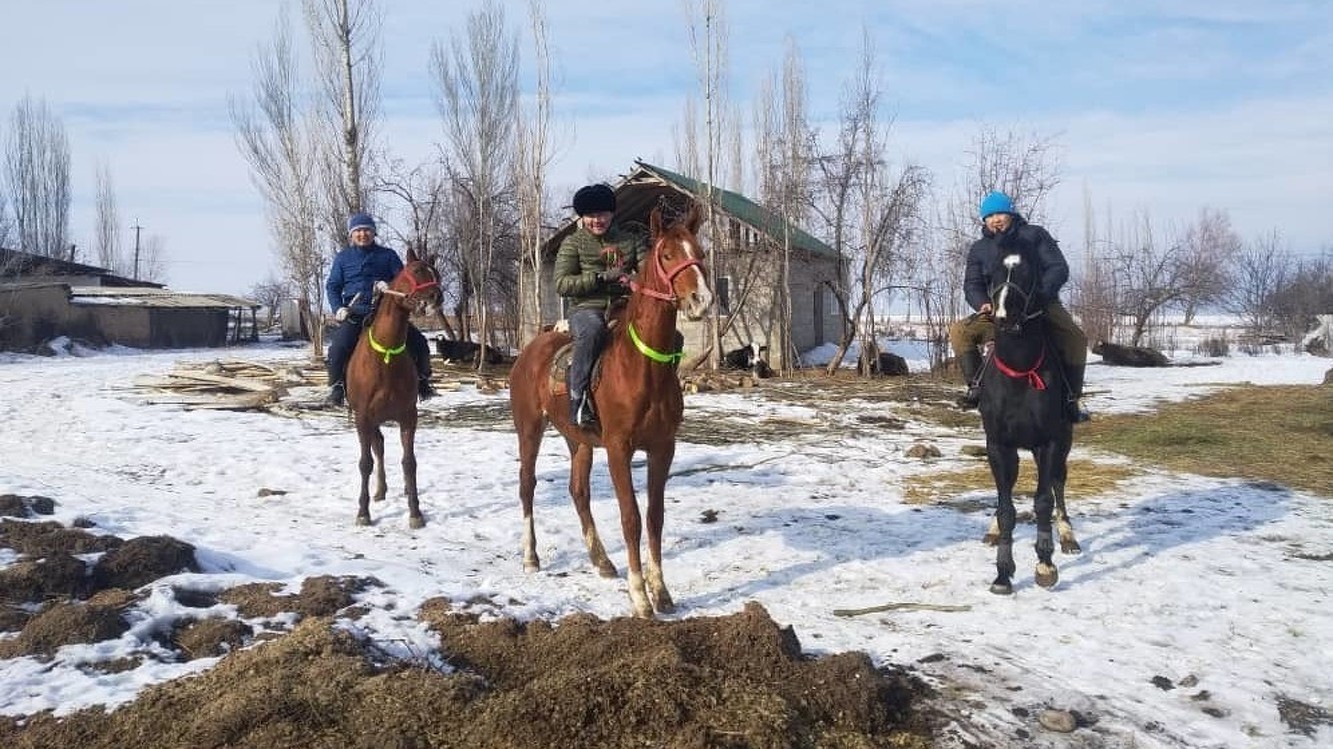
[(969, 400)]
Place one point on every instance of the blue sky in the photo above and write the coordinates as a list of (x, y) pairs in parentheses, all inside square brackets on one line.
[(1226, 105)]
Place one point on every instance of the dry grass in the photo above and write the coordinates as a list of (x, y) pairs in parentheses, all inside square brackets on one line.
[(1280, 434), (1086, 479)]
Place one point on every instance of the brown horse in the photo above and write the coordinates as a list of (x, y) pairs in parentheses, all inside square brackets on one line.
[(382, 382), (638, 402)]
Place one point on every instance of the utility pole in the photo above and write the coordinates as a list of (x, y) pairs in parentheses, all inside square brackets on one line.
[(136, 228)]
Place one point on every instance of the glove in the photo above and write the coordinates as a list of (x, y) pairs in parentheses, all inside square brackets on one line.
[(381, 287), (341, 314), (611, 275)]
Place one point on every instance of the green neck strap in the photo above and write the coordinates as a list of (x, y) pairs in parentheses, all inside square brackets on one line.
[(388, 352), (650, 352)]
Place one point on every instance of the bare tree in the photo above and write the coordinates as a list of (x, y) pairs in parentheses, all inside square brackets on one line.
[(1152, 276), (277, 141), (346, 42), (1209, 247), (152, 260), (271, 292), (533, 155), (872, 213), (1262, 268), (476, 79), (37, 174), (106, 225), (1308, 292)]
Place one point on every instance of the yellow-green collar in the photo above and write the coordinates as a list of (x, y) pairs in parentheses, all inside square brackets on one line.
[(388, 352), (652, 353)]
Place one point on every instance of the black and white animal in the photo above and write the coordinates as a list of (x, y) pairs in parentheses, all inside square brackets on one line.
[(465, 351), (752, 357), (1023, 406)]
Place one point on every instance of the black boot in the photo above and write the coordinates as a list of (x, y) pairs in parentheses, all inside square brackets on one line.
[(1073, 409), (337, 396), (970, 363), (581, 413), (425, 391)]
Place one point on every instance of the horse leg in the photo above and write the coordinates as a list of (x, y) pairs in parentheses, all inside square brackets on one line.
[(1004, 468), (1043, 504), (377, 447), (1068, 544), (659, 467), (580, 490), (407, 431), (365, 464), (529, 442), (618, 460)]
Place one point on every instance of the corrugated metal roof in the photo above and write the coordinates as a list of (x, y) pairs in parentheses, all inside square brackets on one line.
[(145, 297), (746, 210)]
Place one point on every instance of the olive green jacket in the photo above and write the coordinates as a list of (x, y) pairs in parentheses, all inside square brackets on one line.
[(582, 256)]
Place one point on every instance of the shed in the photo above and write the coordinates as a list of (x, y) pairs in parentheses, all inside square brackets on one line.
[(42, 298), (746, 277)]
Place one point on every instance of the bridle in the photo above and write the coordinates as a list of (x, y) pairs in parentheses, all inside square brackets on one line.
[(999, 295), (667, 276)]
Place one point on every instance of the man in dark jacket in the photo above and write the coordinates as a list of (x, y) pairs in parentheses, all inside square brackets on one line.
[(1003, 232), (360, 270), (592, 270)]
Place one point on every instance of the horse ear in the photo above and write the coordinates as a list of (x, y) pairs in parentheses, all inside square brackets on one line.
[(412, 255), (655, 221), (695, 217)]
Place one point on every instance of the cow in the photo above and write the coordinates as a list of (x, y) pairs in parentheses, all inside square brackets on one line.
[(752, 357), (1129, 356)]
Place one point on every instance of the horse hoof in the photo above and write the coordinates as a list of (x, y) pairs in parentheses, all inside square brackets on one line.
[(990, 539), (363, 520), (1002, 589), (1047, 577), (532, 567), (416, 523), (608, 571), (1070, 547), (665, 606)]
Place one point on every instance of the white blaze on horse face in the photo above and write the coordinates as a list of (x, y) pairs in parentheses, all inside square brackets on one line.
[(1010, 262), (698, 301)]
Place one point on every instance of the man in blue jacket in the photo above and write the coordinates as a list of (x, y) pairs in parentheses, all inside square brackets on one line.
[(1004, 231), (356, 270)]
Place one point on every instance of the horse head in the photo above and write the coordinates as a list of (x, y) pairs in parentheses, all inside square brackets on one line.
[(417, 285), (1013, 286), (675, 270)]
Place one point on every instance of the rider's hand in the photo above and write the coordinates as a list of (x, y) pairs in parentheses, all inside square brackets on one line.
[(381, 287), (341, 314), (611, 275), (986, 309)]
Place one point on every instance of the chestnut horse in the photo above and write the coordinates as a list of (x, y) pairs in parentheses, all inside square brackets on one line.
[(638, 401), (382, 382), (1023, 406)]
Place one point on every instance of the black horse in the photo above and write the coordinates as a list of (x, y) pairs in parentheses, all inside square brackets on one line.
[(1023, 393)]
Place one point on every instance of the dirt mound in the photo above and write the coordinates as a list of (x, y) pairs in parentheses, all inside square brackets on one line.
[(736, 681), (732, 681)]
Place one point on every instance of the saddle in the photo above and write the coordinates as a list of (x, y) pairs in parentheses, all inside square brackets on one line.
[(558, 374)]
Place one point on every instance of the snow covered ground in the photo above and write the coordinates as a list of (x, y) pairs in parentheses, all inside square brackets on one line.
[(1212, 587)]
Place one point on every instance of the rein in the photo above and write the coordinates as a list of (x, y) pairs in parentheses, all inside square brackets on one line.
[(415, 288)]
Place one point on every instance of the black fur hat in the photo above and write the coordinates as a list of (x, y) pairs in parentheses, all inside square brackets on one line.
[(594, 199)]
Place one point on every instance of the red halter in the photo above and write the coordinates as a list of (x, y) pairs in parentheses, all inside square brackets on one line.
[(669, 277)]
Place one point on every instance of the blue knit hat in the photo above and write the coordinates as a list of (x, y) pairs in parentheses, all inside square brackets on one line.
[(360, 221), (996, 202)]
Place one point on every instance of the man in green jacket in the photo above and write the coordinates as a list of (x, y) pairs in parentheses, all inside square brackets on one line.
[(592, 271)]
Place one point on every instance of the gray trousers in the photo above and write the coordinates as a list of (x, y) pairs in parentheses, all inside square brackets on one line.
[(588, 326)]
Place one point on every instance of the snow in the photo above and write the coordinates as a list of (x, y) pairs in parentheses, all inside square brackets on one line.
[(1185, 577)]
